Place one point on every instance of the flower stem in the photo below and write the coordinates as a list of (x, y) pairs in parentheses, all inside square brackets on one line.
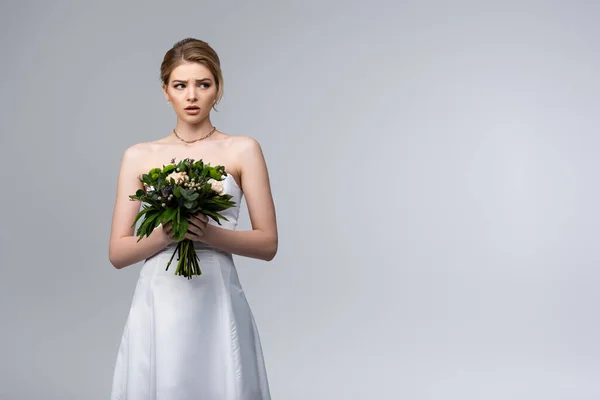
[(173, 255), (188, 261)]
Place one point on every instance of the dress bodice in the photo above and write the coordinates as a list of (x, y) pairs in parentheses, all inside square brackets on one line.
[(232, 214)]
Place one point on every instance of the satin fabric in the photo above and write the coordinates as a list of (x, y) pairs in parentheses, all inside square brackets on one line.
[(191, 339)]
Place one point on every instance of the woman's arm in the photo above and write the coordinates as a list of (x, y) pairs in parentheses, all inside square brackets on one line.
[(262, 241), (124, 248)]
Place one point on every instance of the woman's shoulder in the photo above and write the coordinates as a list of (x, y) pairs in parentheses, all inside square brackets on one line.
[(243, 143), (138, 153), (144, 148)]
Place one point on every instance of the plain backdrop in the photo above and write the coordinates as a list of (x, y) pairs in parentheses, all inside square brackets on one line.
[(434, 166)]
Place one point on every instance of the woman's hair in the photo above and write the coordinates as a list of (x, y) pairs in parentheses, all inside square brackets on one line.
[(192, 50)]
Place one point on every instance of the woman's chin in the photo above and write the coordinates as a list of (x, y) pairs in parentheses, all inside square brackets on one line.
[(192, 119)]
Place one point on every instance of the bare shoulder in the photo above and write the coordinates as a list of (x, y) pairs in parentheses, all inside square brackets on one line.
[(137, 154), (251, 162), (246, 145), (137, 150)]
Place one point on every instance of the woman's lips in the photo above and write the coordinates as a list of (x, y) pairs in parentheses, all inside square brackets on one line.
[(192, 111)]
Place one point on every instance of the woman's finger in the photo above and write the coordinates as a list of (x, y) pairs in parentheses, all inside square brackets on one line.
[(196, 221), (202, 218), (196, 230), (193, 223), (192, 236)]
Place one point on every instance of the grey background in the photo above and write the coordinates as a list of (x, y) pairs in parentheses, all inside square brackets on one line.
[(434, 167)]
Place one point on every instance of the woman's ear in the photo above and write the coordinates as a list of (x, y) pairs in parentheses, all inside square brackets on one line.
[(164, 88)]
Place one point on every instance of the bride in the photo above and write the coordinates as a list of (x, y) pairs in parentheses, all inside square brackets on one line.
[(188, 339)]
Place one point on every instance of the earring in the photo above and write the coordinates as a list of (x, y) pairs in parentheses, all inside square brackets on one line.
[(168, 101)]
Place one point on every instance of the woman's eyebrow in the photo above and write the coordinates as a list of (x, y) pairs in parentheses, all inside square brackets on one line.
[(185, 81)]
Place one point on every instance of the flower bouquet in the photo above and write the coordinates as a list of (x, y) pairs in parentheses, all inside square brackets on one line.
[(175, 192)]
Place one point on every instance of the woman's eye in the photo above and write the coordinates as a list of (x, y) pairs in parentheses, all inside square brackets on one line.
[(177, 86)]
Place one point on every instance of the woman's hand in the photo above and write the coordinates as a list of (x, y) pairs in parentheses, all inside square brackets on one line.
[(168, 234), (197, 227)]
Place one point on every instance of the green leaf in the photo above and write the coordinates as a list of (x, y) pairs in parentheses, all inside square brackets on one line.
[(140, 214), (198, 165), (189, 194), (144, 228), (166, 170), (154, 173), (215, 216), (169, 214), (184, 226), (215, 174), (180, 230)]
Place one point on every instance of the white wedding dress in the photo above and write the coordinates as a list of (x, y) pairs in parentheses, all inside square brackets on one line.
[(191, 339)]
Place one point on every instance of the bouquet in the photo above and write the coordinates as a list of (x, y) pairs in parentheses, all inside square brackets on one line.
[(175, 192)]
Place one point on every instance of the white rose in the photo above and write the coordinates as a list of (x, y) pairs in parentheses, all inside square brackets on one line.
[(177, 176), (217, 186)]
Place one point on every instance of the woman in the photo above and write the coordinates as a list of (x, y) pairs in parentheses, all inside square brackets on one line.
[(188, 339)]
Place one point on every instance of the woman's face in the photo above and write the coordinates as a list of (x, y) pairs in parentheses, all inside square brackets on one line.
[(192, 91)]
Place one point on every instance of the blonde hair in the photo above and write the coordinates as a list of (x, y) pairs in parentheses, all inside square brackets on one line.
[(192, 50)]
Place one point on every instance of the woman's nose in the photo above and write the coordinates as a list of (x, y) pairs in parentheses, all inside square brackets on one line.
[(191, 94)]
